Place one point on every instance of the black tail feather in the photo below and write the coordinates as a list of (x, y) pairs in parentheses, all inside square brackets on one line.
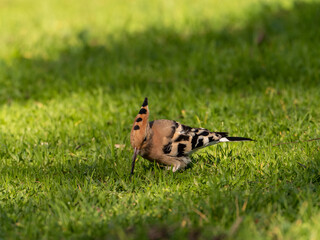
[(233, 139)]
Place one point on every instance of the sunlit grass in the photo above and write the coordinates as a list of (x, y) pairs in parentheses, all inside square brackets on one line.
[(73, 75)]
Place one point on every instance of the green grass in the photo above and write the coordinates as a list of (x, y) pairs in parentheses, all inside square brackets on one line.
[(73, 75)]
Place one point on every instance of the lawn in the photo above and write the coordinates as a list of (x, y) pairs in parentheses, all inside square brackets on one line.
[(73, 75)]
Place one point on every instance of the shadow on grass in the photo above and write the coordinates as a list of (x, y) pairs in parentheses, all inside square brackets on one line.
[(276, 46)]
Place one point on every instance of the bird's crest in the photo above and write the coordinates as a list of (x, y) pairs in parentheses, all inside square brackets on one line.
[(140, 124)]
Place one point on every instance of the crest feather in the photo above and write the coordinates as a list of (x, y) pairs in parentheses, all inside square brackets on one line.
[(139, 127)]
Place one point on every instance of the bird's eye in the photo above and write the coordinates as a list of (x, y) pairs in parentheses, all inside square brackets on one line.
[(145, 139)]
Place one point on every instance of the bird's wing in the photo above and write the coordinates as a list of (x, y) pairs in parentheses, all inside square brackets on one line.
[(185, 140)]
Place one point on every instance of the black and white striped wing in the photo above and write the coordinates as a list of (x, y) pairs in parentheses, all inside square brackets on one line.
[(186, 140)]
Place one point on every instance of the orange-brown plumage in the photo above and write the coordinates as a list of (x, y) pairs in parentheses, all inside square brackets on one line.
[(139, 127), (169, 142)]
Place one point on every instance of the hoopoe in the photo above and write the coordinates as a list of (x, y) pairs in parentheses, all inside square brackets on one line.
[(169, 142)]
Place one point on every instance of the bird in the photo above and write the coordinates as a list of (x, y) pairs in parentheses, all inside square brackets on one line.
[(169, 142)]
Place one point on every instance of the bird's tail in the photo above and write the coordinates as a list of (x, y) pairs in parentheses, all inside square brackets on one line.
[(234, 139)]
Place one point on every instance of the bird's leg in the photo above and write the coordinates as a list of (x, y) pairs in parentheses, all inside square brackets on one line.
[(173, 163)]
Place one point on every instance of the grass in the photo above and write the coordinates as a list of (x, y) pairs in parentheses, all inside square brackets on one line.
[(73, 76)]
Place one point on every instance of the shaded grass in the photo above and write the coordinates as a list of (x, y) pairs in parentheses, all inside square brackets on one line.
[(68, 97)]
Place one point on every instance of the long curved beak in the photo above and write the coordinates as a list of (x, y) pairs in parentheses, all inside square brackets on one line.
[(136, 152)]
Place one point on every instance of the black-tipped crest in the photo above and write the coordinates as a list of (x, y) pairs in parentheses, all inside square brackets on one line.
[(140, 125), (145, 102)]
